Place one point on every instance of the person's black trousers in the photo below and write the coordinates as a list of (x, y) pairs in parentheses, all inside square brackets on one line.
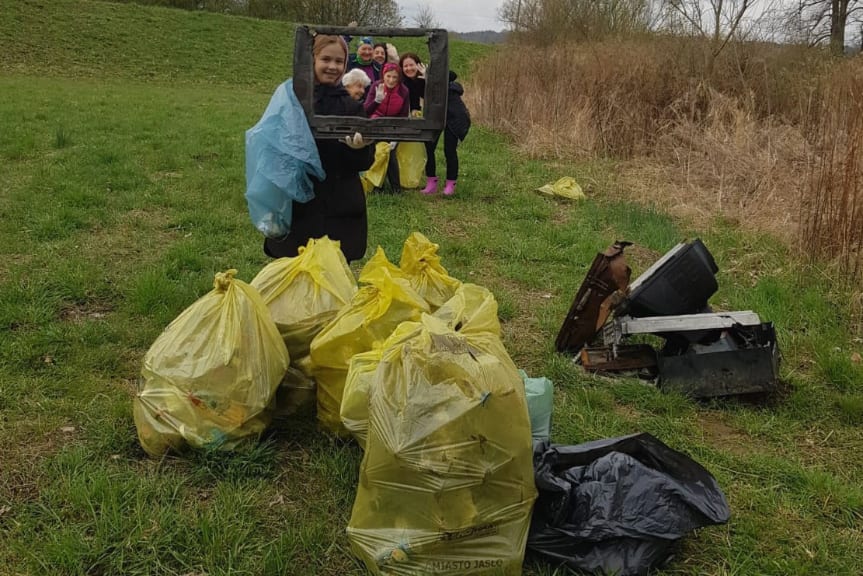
[(450, 143)]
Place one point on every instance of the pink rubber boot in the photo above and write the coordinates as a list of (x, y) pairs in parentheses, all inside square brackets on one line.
[(449, 189), (431, 185)]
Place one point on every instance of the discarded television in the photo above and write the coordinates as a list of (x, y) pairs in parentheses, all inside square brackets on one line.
[(706, 354), (410, 129), (680, 282)]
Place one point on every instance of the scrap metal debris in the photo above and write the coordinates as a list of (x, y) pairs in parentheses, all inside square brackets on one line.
[(705, 354)]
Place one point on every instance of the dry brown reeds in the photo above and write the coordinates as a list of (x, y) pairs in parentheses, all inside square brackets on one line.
[(832, 210), (615, 98), (730, 164), (766, 137)]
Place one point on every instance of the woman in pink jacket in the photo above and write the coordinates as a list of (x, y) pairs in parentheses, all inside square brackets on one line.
[(389, 97)]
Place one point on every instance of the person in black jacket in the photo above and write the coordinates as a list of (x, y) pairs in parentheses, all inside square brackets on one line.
[(413, 78), (338, 209), (455, 131)]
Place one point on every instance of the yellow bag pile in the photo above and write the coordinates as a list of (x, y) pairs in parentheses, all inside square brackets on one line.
[(372, 315), (446, 482), (303, 295), (208, 378), (411, 158), (471, 310), (374, 176), (421, 265)]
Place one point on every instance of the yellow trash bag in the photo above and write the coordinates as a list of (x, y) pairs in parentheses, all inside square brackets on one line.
[(377, 262), (374, 176), (306, 292), (208, 378), (354, 410), (303, 295), (446, 483), (565, 187), (421, 265), (372, 315), (473, 309), (411, 157)]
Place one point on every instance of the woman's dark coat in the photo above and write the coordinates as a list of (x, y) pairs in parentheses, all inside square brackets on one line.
[(457, 114), (338, 209)]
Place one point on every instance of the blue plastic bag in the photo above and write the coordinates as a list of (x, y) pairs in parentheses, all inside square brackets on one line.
[(281, 156)]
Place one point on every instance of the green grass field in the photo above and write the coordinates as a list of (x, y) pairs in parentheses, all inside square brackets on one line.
[(121, 194)]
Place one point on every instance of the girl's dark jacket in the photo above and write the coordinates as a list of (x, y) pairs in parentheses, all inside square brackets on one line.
[(457, 115), (338, 209), (417, 90)]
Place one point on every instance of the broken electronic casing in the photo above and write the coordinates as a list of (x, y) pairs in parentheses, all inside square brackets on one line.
[(423, 129), (705, 355)]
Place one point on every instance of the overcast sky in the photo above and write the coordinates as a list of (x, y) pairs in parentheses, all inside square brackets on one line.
[(474, 15), (458, 15)]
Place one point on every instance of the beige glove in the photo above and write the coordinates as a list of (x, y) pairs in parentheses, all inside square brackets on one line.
[(356, 141), (379, 93)]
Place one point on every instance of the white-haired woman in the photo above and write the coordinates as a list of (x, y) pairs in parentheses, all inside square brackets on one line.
[(356, 82)]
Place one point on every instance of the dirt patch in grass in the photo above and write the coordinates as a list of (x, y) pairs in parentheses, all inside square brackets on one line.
[(138, 236), (22, 453), (719, 434), (459, 228), (561, 216), (20, 460), (20, 479), (626, 412), (831, 447), (81, 312), (10, 261)]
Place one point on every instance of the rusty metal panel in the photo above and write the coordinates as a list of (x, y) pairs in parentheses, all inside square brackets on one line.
[(618, 358), (607, 275)]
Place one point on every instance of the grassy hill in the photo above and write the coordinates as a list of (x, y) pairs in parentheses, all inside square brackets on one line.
[(121, 194), (81, 38)]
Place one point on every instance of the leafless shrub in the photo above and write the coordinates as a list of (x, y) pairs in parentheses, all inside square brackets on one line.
[(832, 211)]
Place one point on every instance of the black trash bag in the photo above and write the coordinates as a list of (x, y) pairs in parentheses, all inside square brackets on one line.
[(617, 506)]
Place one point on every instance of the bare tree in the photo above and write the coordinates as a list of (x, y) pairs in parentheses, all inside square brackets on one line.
[(577, 19), (425, 17), (819, 21), (719, 21)]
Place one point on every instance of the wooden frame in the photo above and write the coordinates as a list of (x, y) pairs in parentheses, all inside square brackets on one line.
[(423, 129)]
